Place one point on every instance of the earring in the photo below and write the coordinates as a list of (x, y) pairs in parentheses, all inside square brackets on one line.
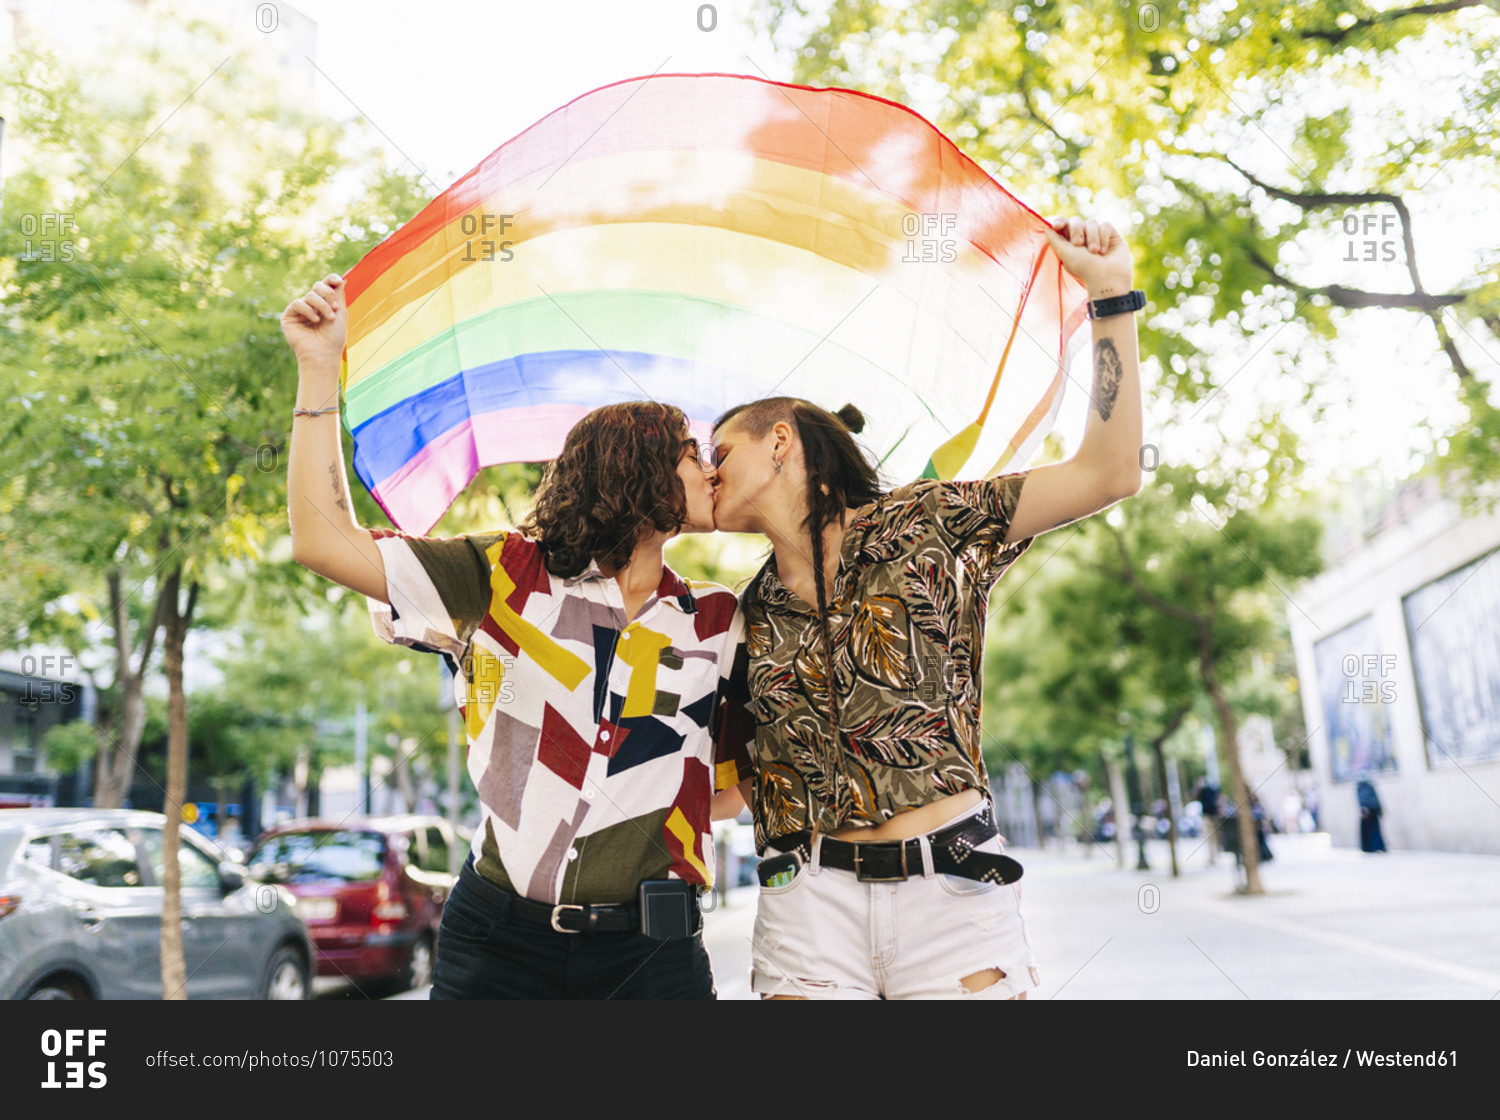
[(777, 462)]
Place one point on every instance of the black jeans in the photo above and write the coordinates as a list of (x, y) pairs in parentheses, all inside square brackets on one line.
[(485, 953)]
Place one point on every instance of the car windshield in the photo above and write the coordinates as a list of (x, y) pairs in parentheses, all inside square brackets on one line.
[(310, 857)]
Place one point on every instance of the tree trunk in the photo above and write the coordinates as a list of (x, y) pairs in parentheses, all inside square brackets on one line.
[(1161, 777), (1036, 813), (1158, 749), (1115, 782), (117, 755), (1249, 839), (173, 969), (404, 782)]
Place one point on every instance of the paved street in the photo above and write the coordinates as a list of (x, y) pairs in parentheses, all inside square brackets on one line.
[(1334, 924)]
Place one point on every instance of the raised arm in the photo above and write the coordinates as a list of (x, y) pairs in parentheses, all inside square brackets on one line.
[(325, 537), (1107, 466)]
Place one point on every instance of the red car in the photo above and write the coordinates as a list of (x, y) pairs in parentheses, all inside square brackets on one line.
[(371, 891)]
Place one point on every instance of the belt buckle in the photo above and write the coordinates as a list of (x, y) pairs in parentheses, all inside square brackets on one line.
[(557, 913), (859, 871)]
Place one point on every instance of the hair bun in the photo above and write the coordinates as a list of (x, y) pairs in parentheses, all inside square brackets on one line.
[(852, 417)]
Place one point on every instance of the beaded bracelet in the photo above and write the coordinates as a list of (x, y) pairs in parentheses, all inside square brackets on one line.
[(314, 411)]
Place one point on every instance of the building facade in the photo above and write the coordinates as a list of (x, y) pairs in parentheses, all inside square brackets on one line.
[(1398, 654)]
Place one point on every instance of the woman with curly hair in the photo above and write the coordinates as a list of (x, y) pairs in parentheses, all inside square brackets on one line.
[(589, 676), (884, 875)]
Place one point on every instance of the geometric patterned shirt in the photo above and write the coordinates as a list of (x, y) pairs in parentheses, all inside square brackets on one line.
[(595, 742), (907, 621)]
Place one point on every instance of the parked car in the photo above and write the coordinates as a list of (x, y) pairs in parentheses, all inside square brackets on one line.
[(80, 913), (371, 891)]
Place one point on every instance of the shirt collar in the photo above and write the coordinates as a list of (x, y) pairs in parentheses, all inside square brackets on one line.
[(672, 588), (770, 591)]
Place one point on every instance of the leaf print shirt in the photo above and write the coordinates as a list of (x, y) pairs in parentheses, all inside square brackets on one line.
[(907, 621)]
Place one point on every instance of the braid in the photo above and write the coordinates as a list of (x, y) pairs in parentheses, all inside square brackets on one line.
[(839, 477), (823, 505)]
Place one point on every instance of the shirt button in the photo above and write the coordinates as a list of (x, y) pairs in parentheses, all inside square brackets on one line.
[(624, 635), (572, 854), (589, 794), (604, 736)]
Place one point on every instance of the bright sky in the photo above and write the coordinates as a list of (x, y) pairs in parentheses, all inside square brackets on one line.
[(449, 80)]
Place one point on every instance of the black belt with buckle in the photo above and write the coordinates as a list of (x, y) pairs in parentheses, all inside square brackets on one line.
[(624, 917), (893, 861)]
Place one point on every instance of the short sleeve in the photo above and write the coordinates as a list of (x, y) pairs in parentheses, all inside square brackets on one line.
[(439, 589), (734, 725), (973, 518)]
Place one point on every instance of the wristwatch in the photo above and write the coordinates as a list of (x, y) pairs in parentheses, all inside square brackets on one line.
[(1117, 305)]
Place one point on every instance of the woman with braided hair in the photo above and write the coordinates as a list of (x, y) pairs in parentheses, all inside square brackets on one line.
[(883, 873)]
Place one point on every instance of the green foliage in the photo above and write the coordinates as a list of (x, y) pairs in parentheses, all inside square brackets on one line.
[(1095, 630), (1233, 137), (150, 385), (67, 746)]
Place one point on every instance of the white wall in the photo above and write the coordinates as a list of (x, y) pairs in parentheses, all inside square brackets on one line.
[(1447, 807)]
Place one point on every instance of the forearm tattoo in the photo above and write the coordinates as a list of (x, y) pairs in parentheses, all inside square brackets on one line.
[(338, 490), (1107, 374)]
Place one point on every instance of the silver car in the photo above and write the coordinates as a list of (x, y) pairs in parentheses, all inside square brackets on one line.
[(80, 913)]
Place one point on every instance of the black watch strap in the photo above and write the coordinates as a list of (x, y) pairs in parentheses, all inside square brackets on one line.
[(1117, 305)]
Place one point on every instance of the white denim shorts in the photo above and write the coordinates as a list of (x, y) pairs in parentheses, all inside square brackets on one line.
[(826, 935)]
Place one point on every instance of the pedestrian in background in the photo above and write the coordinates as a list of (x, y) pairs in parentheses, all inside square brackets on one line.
[(1291, 812), (1370, 837), (1208, 798)]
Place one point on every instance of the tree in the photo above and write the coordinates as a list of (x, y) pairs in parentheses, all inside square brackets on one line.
[(154, 386), (1245, 137), (1211, 573)]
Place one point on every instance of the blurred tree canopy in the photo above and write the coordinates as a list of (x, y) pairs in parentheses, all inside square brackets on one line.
[(1161, 607), (139, 344)]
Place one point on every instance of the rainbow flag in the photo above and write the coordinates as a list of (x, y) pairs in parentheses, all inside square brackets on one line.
[(705, 240)]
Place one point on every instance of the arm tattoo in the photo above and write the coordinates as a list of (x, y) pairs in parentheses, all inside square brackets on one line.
[(338, 491), (1107, 374)]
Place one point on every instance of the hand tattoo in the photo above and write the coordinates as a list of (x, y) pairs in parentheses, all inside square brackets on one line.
[(1107, 374)]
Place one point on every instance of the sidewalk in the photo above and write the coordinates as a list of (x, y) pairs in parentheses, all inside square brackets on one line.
[(1333, 924)]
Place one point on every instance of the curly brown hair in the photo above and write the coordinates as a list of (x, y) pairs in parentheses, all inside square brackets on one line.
[(616, 476)]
